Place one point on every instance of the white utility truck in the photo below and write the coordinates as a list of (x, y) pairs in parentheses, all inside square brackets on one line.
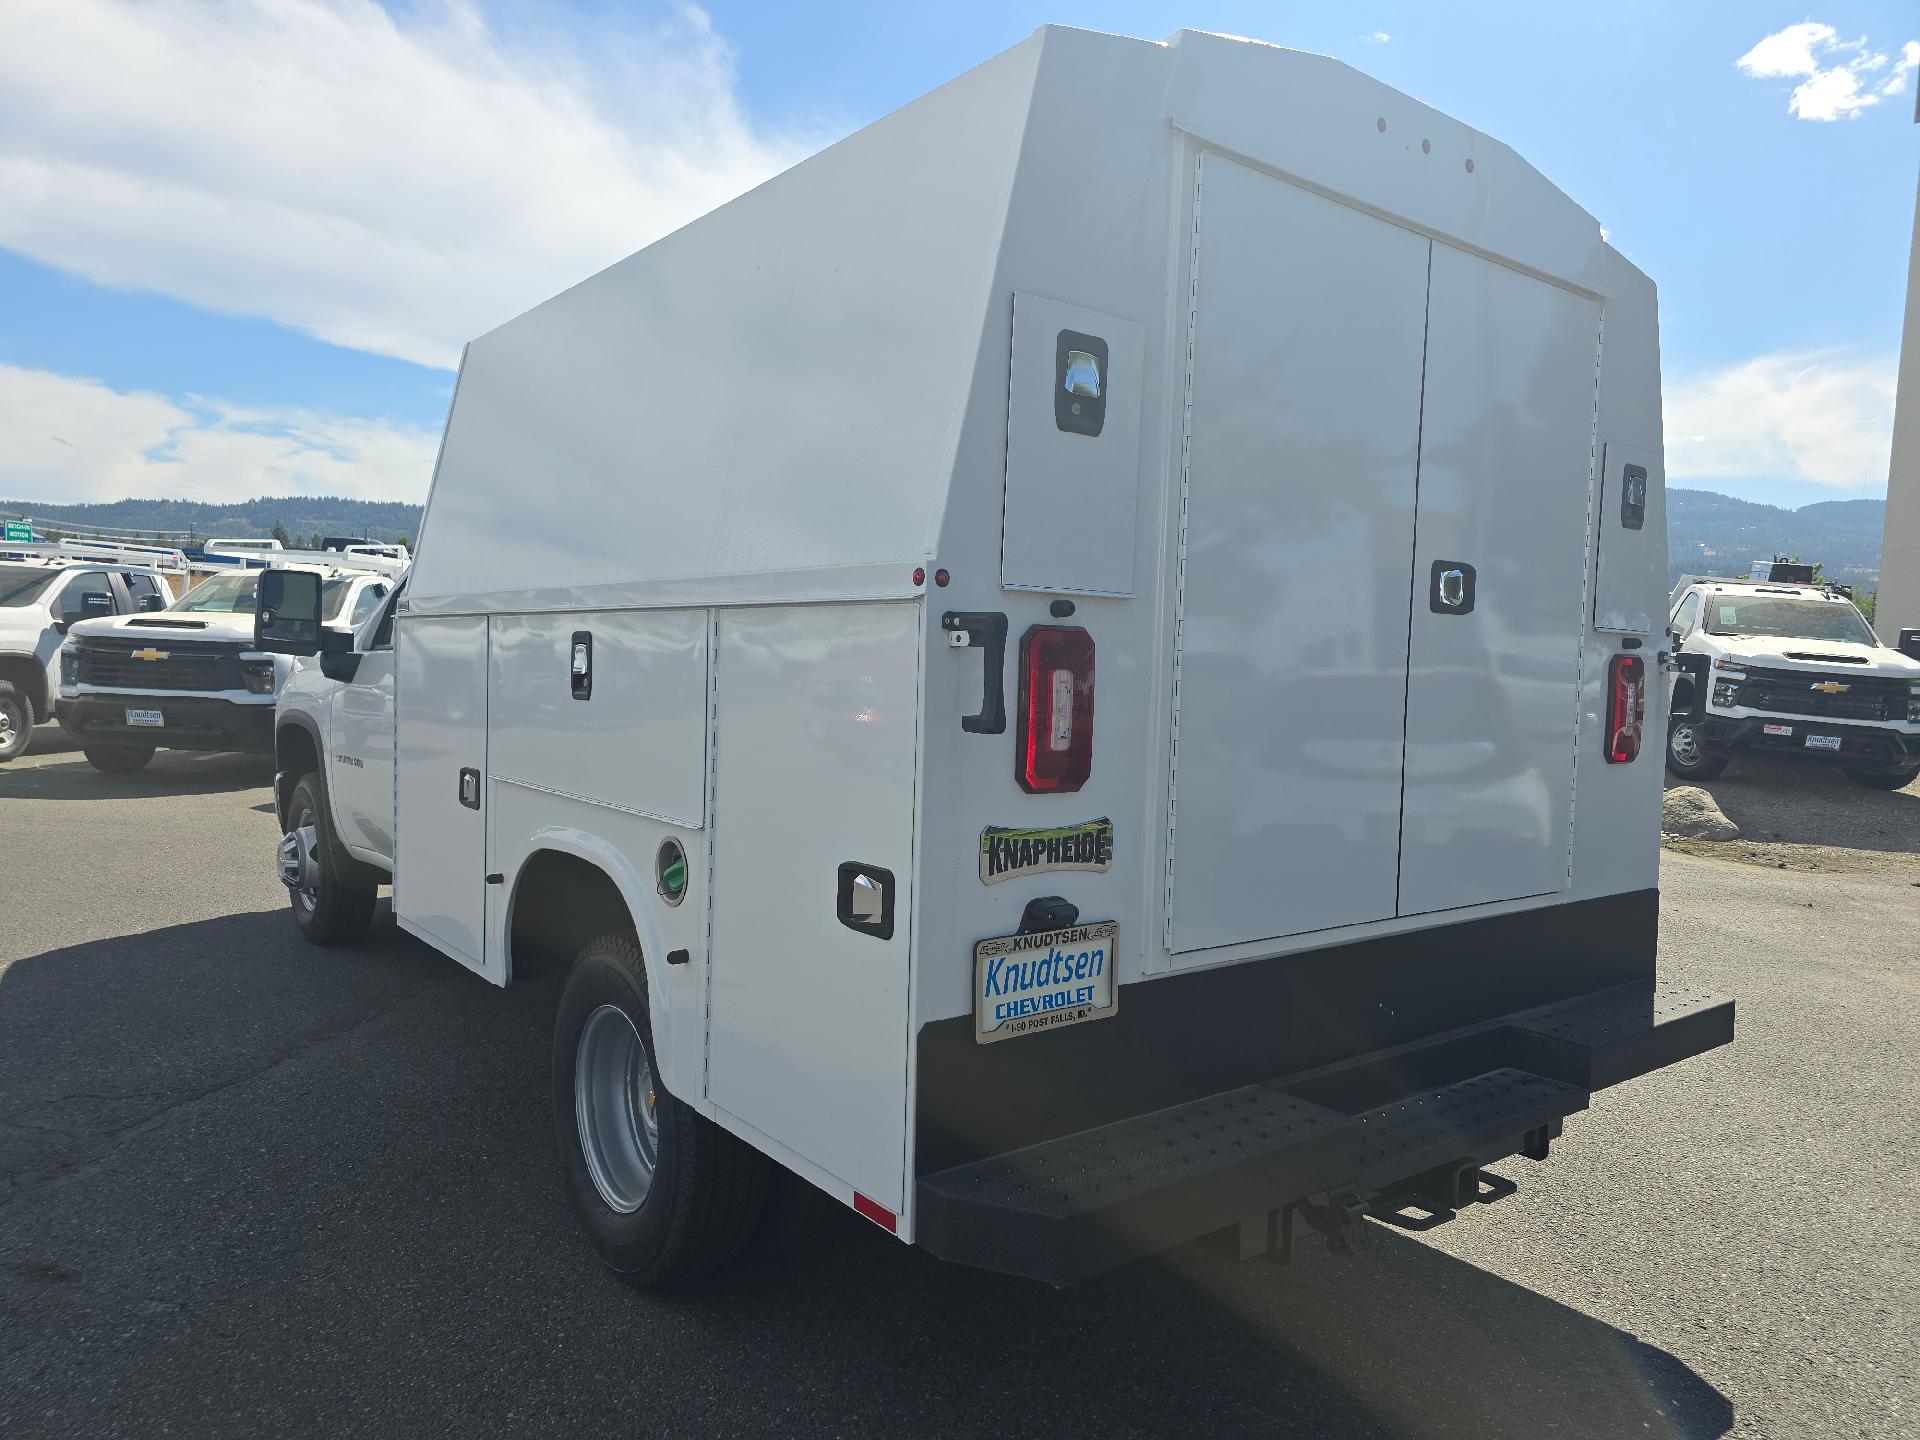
[(190, 678), (45, 589), (1038, 667), (1780, 665)]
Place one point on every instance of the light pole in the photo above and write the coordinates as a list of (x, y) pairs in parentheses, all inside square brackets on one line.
[(1899, 598)]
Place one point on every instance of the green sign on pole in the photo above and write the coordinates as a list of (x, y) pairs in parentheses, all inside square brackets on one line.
[(20, 530)]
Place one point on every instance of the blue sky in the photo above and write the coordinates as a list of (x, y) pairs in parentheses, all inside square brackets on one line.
[(240, 243)]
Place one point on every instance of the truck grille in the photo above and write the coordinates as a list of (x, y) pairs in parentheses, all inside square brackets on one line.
[(1792, 692), (187, 665)]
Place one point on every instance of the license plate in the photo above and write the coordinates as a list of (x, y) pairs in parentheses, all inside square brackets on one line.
[(1776, 729), (150, 718), (1823, 742), (1023, 984)]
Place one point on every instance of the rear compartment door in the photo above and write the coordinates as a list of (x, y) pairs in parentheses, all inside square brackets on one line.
[(814, 770), (1298, 536), (1499, 584)]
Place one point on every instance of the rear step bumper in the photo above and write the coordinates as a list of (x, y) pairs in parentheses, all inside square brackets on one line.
[(1361, 1132)]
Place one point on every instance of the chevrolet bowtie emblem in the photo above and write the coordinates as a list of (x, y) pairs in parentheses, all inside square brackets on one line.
[(1830, 687), (151, 654)]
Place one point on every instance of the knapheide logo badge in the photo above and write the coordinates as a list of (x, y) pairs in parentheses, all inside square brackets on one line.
[(1006, 852)]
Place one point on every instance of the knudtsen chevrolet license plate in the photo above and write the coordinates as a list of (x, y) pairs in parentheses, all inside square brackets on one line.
[(1023, 984), (152, 718), (1823, 742)]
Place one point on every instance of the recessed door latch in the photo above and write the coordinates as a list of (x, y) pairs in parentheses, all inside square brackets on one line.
[(1450, 589), (581, 668), (865, 900)]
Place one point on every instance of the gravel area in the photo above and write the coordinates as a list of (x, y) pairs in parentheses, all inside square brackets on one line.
[(1811, 817)]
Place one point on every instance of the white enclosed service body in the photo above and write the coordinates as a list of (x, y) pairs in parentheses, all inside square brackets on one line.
[(1304, 446)]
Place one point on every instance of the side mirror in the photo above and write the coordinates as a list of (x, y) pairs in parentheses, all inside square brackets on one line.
[(153, 602), (286, 619)]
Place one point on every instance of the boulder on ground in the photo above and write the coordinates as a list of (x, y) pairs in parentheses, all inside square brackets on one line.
[(1691, 811)]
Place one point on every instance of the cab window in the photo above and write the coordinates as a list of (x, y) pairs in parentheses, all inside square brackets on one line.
[(368, 602), (1687, 616), (140, 588), (73, 600)]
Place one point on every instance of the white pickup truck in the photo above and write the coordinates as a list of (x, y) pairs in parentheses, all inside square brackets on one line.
[(1790, 670), (878, 638), (46, 589), (190, 678)]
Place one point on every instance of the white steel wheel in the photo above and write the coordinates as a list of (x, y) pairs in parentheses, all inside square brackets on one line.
[(616, 1106), (16, 726), (1684, 742)]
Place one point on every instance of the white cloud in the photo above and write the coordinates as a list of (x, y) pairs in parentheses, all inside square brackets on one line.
[(1838, 78), (1818, 417), (64, 440), (1909, 62), (393, 182), (1378, 37)]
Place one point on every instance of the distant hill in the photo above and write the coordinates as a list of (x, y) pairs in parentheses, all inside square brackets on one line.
[(1709, 534), (1706, 533), (302, 515)]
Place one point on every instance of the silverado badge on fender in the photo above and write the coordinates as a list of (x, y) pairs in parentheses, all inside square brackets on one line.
[(1005, 853)]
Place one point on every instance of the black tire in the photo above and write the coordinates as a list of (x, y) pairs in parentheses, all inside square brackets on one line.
[(1687, 758), (16, 723), (334, 905), (118, 759), (1884, 779), (698, 1207)]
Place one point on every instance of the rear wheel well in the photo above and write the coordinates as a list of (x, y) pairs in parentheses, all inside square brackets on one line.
[(560, 902), (29, 677)]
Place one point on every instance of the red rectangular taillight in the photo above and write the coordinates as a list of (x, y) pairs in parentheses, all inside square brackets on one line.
[(1626, 707), (1056, 709)]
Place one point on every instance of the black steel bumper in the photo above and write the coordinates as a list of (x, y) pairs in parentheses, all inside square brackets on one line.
[(1862, 747), (193, 722), (1371, 1135)]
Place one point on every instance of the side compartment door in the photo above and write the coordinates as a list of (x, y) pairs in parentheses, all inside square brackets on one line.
[(1499, 586), (439, 889), (814, 770)]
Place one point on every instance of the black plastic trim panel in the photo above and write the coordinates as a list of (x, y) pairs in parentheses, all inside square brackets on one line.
[(1179, 1037)]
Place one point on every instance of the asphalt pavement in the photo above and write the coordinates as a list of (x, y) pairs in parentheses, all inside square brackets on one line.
[(249, 1187)]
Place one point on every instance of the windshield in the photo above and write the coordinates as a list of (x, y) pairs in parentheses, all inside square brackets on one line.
[(1788, 619), (234, 595), (23, 584)]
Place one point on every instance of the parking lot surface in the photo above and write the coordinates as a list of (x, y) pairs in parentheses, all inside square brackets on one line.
[(251, 1187)]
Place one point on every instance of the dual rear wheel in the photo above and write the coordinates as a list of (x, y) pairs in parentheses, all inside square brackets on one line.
[(663, 1193)]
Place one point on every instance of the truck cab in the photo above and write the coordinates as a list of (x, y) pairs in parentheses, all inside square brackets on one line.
[(45, 590), (1790, 670), (189, 678), (335, 718)]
